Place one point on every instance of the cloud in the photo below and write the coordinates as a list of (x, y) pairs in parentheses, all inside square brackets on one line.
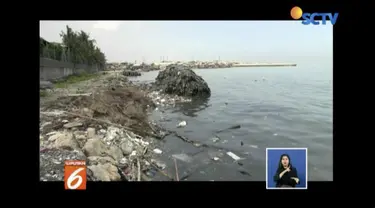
[(107, 25)]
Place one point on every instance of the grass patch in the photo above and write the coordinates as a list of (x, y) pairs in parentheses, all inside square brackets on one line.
[(43, 93), (71, 79)]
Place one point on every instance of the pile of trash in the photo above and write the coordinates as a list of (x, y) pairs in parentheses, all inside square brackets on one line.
[(161, 99), (126, 106), (182, 81), (108, 128)]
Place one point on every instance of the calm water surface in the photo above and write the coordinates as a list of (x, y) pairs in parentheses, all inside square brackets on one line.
[(276, 107)]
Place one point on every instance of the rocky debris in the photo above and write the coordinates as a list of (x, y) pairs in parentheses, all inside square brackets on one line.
[(91, 132), (95, 147), (116, 153), (43, 85), (81, 138), (143, 67), (182, 81), (94, 160), (105, 172), (127, 147), (119, 81), (64, 140), (131, 73), (109, 129), (132, 67)]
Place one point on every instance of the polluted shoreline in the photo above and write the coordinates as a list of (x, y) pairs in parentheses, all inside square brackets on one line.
[(107, 124)]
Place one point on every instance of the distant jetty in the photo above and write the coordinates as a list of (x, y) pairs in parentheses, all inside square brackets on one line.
[(191, 64), (263, 64)]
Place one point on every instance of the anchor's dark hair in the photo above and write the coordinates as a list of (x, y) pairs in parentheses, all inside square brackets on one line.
[(280, 166)]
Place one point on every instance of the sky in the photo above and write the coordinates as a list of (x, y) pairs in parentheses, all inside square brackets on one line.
[(244, 41)]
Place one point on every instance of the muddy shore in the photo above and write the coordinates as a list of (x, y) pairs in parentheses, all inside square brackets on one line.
[(104, 121)]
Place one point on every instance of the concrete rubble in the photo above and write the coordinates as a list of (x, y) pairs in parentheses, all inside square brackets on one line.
[(108, 129)]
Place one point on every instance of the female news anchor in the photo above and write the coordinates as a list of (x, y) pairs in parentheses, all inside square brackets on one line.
[(286, 174)]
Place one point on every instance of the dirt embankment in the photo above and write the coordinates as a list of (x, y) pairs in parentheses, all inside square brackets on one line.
[(103, 121)]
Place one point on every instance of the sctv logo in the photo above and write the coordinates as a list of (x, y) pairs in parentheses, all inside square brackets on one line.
[(309, 18)]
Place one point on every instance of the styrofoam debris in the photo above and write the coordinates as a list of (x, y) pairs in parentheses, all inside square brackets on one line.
[(124, 160), (157, 151), (215, 139), (254, 146), (112, 133), (182, 124), (232, 155), (159, 164), (51, 133), (134, 153), (139, 141)]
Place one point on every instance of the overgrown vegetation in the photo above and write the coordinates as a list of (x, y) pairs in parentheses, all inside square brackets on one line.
[(71, 79), (76, 47)]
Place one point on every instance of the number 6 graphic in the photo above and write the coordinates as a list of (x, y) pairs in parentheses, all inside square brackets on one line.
[(74, 176)]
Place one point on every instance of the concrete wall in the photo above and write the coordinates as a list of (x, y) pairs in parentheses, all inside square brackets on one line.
[(50, 69)]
